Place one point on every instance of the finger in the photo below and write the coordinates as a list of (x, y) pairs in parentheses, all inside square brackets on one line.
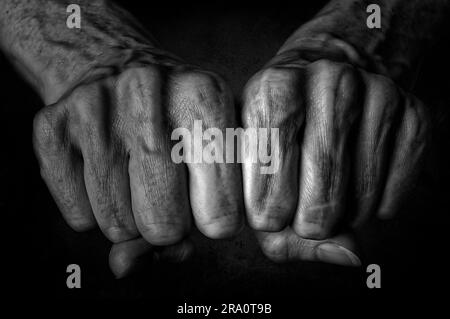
[(407, 159), (331, 112), (127, 257), (216, 199), (105, 164), (62, 168), (215, 188), (158, 186), (378, 124), (275, 105), (288, 246)]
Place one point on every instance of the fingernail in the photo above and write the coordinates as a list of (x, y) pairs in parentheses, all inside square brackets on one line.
[(335, 254)]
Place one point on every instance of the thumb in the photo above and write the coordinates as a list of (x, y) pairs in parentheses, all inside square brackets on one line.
[(127, 257), (288, 246), (339, 250)]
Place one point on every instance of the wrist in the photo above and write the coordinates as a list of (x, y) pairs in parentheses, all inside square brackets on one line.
[(339, 31), (313, 47), (315, 41), (55, 58), (110, 65)]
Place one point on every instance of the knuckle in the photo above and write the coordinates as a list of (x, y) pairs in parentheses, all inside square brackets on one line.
[(270, 211), (43, 130), (384, 87), (383, 92), (95, 116), (337, 84), (311, 231), (419, 123), (117, 234), (151, 143), (267, 223), (221, 228), (86, 105), (162, 234), (199, 95), (141, 88), (272, 98), (278, 76), (317, 221), (48, 130), (347, 95), (81, 224), (326, 70), (196, 82), (200, 87), (140, 77), (121, 226), (325, 65)]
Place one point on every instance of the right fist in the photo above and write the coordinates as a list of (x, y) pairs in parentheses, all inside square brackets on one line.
[(351, 146), (105, 154)]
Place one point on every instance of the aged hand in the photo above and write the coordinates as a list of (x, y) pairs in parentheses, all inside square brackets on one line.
[(105, 154), (350, 146)]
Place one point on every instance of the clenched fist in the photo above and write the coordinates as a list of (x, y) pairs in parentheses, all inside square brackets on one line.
[(350, 140), (105, 154), (351, 143), (104, 140)]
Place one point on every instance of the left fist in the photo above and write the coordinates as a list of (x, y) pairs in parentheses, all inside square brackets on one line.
[(105, 155)]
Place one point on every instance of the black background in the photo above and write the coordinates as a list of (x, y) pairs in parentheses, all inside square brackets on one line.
[(234, 40)]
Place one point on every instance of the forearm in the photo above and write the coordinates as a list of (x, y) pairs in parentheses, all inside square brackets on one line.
[(408, 29), (53, 57)]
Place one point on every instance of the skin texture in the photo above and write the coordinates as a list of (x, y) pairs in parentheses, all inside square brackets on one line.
[(408, 30), (110, 137), (352, 145), (352, 139), (103, 141)]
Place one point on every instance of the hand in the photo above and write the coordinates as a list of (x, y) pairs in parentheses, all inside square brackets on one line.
[(351, 143), (105, 154)]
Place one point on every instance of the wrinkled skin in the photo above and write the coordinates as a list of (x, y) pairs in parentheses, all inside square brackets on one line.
[(351, 144), (351, 141), (104, 151)]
